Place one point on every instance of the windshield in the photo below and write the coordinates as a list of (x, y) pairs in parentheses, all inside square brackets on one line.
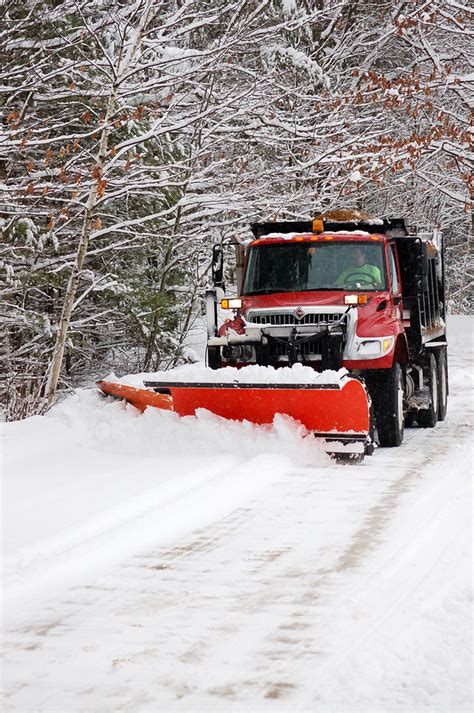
[(301, 267)]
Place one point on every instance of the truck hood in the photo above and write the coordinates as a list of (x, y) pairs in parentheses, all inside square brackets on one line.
[(302, 299)]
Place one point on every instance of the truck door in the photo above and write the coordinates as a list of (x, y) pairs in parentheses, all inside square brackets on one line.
[(398, 312)]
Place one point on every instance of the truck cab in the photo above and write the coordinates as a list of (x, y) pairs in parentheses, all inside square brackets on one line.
[(360, 295)]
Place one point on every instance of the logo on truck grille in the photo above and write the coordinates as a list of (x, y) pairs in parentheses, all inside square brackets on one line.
[(299, 313)]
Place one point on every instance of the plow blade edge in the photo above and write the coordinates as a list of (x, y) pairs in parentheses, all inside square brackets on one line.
[(339, 412)]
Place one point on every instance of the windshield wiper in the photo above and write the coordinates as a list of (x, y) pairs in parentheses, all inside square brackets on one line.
[(328, 288), (267, 291)]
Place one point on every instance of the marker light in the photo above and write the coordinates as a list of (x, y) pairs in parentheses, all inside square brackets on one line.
[(387, 345), (318, 226), (355, 299), (232, 303)]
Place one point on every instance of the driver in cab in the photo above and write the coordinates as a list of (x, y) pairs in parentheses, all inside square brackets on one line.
[(358, 270)]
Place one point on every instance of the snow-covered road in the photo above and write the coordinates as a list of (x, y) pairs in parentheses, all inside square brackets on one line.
[(152, 564)]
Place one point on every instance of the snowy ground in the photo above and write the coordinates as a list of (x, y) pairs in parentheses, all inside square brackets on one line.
[(152, 564)]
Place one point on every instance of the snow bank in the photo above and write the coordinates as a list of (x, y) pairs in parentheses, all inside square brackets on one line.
[(460, 330), (99, 482), (252, 374), (113, 426)]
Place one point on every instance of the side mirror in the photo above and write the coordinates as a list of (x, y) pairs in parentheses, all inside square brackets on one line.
[(217, 266)]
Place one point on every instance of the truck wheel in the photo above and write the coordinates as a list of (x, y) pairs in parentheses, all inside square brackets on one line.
[(410, 419), (428, 418), (389, 408), (213, 357), (442, 369)]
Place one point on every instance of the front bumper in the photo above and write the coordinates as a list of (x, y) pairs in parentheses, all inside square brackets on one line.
[(269, 337), (329, 340)]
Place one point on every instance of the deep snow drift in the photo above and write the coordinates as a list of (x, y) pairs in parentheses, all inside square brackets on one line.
[(156, 563)]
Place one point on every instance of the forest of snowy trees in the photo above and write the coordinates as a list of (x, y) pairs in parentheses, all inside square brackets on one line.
[(137, 133)]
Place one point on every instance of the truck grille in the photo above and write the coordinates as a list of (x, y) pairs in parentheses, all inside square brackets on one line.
[(307, 350), (284, 319)]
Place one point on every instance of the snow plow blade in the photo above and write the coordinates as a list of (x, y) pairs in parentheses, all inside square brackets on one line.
[(339, 413)]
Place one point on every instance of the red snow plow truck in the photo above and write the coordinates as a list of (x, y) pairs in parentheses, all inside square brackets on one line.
[(366, 296)]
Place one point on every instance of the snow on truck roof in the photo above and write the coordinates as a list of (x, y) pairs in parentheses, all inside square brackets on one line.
[(312, 237), (328, 229)]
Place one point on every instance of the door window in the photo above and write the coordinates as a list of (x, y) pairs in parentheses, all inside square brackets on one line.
[(392, 266)]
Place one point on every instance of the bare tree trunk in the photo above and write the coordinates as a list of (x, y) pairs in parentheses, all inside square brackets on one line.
[(196, 143), (65, 320), (152, 346), (58, 354)]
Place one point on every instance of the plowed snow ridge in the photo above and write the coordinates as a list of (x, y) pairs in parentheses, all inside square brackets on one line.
[(152, 563)]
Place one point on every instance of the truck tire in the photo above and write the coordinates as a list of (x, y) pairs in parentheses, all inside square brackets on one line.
[(443, 390), (389, 407), (213, 357), (428, 418)]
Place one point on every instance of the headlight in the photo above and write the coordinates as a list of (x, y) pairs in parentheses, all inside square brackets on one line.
[(232, 303), (375, 347), (369, 348)]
